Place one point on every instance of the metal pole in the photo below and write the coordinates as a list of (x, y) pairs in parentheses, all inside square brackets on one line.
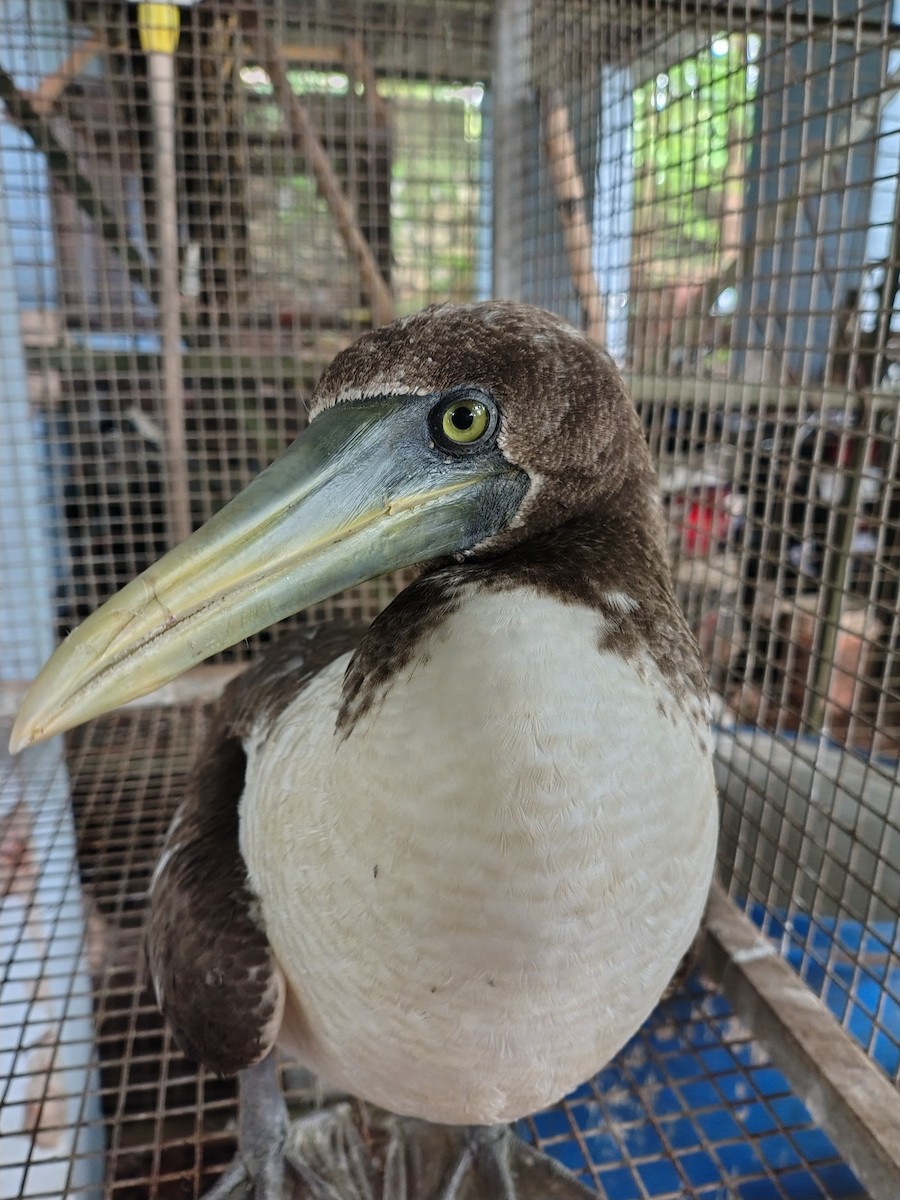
[(512, 113), (159, 25)]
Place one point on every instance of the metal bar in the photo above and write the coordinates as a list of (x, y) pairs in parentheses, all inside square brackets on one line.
[(306, 364), (161, 69), (889, 590), (843, 1089), (704, 393), (511, 105), (862, 32), (303, 366)]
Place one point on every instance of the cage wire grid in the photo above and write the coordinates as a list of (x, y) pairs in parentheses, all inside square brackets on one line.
[(709, 190), (692, 1106)]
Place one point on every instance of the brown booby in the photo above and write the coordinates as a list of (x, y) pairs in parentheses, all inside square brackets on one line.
[(450, 865)]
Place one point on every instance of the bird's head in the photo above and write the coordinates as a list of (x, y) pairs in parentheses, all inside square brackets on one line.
[(461, 430)]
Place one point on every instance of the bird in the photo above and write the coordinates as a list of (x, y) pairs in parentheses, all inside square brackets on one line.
[(449, 862)]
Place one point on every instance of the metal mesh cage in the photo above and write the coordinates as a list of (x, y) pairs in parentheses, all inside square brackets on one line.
[(709, 190), (718, 201)]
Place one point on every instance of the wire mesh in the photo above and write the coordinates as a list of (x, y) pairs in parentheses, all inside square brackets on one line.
[(691, 1107), (274, 211), (710, 190), (735, 174)]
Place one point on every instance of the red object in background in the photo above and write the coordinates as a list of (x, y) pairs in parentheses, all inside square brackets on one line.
[(705, 523)]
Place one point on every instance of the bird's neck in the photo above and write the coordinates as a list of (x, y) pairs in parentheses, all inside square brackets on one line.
[(587, 557), (616, 568)]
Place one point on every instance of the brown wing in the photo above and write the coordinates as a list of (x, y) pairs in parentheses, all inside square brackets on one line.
[(216, 979)]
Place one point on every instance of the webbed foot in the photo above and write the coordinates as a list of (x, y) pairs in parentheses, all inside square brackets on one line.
[(354, 1152), (497, 1165), (350, 1151)]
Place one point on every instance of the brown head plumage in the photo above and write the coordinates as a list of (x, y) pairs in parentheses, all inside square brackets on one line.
[(566, 418), (590, 527)]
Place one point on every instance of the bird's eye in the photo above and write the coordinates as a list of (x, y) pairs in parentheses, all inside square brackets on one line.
[(461, 423), (465, 421)]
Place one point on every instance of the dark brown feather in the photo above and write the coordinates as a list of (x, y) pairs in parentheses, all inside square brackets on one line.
[(206, 944)]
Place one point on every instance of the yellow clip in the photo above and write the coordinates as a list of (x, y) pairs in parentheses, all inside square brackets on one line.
[(159, 25)]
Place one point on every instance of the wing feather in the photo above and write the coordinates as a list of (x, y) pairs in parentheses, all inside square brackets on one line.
[(216, 979)]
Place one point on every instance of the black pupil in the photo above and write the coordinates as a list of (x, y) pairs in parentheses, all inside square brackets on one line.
[(462, 417)]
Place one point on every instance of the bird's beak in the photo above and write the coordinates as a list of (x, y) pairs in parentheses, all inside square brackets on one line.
[(361, 492)]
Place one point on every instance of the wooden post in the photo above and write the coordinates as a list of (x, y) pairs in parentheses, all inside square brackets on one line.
[(52, 86), (305, 133), (570, 201)]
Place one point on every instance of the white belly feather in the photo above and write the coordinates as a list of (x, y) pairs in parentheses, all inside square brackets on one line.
[(480, 894)]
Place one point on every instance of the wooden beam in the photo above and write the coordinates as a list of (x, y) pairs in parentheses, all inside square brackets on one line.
[(270, 58), (360, 70), (314, 56), (568, 184), (52, 86)]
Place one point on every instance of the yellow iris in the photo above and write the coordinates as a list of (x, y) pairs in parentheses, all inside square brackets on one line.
[(465, 421)]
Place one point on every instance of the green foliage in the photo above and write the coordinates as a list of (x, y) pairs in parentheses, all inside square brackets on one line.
[(435, 187), (686, 120), (435, 182)]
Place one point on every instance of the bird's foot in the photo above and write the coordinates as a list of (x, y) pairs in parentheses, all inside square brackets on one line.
[(350, 1151), (353, 1152), (251, 1179), (497, 1165)]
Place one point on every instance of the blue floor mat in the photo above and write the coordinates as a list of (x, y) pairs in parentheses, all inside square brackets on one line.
[(854, 968), (693, 1107)]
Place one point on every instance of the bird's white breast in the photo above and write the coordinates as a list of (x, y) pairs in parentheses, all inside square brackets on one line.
[(481, 893)]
